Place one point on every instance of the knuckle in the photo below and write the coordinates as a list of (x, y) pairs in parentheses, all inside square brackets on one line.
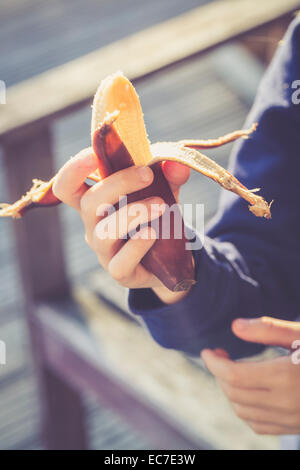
[(265, 320), (88, 241), (231, 394), (116, 272), (102, 261), (84, 203), (256, 427), (232, 377), (57, 189), (258, 430), (240, 412), (267, 323)]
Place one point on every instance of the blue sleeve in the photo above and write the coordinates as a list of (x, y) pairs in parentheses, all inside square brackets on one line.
[(248, 266)]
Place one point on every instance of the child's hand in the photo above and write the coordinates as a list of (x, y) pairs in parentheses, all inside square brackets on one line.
[(119, 257), (264, 394)]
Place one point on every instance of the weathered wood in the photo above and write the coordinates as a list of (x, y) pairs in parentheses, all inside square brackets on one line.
[(42, 267), (63, 414), (38, 235), (171, 402), (69, 350), (263, 42), (72, 85)]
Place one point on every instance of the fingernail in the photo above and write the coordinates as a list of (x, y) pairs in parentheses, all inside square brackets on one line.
[(243, 323), (84, 155), (204, 353), (145, 173)]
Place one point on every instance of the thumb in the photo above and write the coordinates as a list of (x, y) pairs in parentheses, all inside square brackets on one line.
[(176, 173), (267, 330), (222, 353)]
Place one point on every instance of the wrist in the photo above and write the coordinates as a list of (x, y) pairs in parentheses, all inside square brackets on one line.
[(167, 296)]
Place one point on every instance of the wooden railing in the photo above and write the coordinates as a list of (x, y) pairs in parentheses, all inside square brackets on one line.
[(26, 140)]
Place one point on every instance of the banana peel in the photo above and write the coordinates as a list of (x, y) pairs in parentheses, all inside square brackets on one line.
[(119, 139)]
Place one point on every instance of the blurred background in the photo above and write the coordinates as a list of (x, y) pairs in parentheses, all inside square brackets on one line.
[(203, 97)]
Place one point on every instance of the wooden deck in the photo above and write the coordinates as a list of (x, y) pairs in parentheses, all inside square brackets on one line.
[(197, 100)]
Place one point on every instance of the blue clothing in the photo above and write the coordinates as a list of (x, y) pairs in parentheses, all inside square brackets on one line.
[(248, 266)]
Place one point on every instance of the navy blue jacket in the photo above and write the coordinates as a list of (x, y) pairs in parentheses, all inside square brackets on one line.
[(248, 266)]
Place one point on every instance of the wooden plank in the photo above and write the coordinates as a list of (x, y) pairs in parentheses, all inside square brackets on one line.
[(38, 235), (42, 267), (160, 393), (72, 85), (70, 351), (63, 413), (66, 30)]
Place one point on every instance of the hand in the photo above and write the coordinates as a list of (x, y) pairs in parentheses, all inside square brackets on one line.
[(119, 257), (265, 394)]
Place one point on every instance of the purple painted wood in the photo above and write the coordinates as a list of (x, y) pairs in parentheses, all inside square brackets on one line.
[(43, 274), (62, 412), (69, 349), (38, 235)]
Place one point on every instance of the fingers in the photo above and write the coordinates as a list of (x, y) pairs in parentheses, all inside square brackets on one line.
[(245, 396), (125, 266), (238, 374), (69, 184), (222, 353), (264, 416), (266, 330), (108, 191), (70, 188), (262, 410), (176, 174), (110, 233), (270, 429)]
